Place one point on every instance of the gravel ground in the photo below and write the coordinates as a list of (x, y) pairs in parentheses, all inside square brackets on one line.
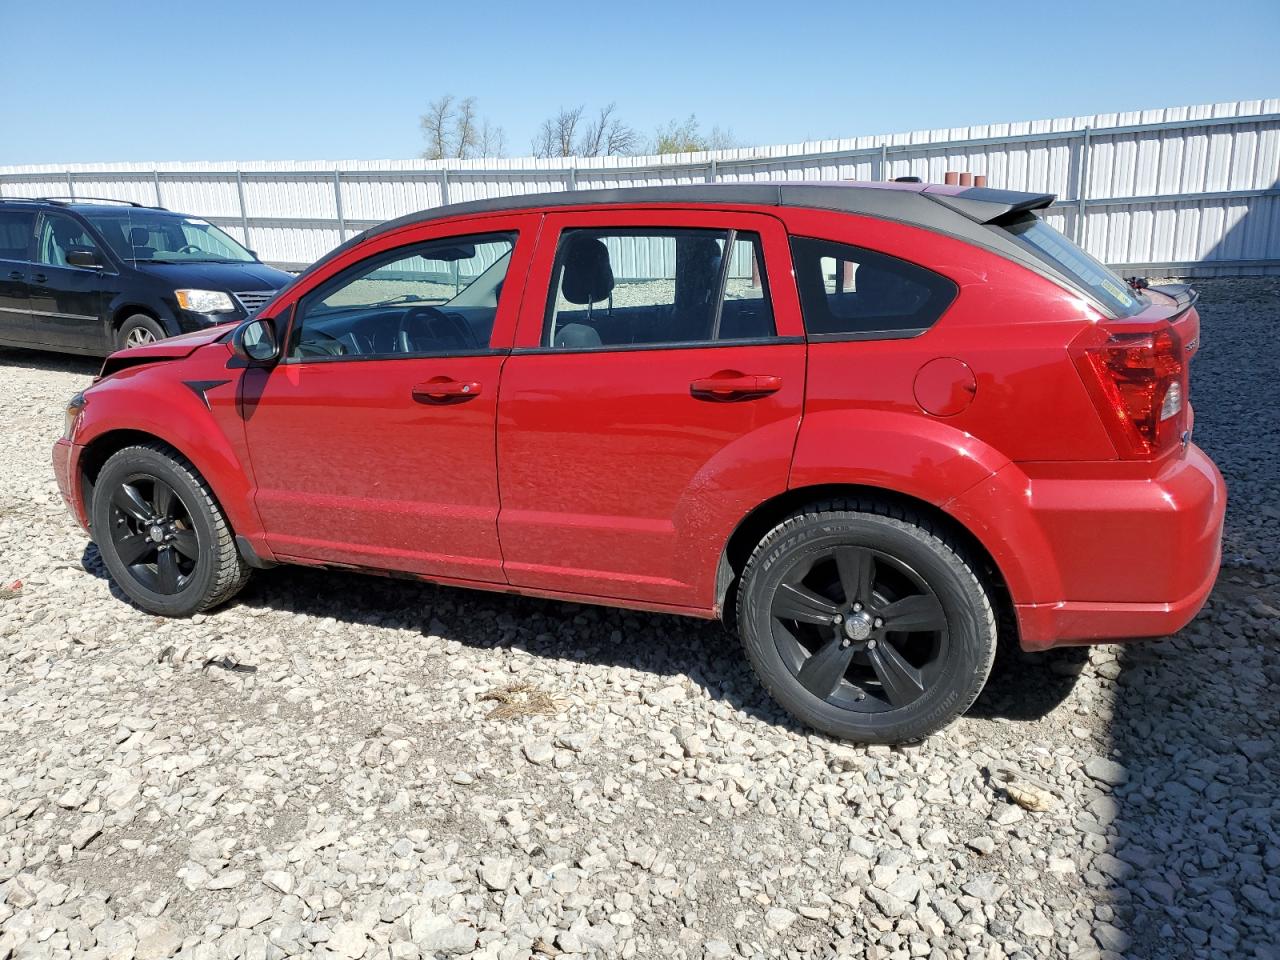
[(354, 767)]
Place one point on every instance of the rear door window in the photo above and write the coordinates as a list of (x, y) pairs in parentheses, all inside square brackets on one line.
[(617, 288), (849, 292), (16, 229)]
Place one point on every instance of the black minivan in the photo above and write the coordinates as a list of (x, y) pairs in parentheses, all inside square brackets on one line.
[(92, 277)]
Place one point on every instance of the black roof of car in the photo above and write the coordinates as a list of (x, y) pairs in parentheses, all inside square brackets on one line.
[(77, 203), (967, 213)]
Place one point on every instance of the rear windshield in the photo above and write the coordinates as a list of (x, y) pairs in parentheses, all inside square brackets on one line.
[(1046, 243)]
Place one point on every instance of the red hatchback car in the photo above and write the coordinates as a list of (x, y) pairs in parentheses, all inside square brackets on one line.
[(867, 425)]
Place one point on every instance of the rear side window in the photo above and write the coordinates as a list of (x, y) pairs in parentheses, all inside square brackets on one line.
[(1046, 243), (16, 228), (653, 287), (849, 292)]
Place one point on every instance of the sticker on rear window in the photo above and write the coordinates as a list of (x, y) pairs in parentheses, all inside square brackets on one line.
[(1116, 291)]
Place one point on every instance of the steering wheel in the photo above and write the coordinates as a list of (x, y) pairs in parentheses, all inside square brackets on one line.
[(447, 330), (191, 248)]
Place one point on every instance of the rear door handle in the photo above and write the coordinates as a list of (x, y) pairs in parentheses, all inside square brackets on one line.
[(446, 390), (729, 385), (16, 275)]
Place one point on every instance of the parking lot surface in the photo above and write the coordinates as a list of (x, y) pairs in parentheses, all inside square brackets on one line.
[(356, 767)]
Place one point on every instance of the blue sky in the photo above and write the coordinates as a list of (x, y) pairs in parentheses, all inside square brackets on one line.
[(267, 80)]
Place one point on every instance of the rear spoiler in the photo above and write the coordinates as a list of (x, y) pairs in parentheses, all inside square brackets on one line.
[(987, 205)]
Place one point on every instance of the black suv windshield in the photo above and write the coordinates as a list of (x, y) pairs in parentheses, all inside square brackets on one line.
[(1048, 244), (157, 236)]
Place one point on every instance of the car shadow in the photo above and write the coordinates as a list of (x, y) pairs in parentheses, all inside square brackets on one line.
[(1021, 687), (23, 359)]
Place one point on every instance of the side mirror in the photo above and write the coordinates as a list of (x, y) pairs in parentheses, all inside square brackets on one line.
[(84, 257), (254, 342)]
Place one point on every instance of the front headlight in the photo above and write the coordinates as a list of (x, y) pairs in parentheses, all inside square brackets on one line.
[(75, 406), (204, 301)]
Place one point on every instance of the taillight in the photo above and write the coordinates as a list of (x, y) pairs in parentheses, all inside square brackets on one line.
[(1138, 381)]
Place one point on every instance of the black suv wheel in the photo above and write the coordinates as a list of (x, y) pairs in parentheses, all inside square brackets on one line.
[(866, 622)]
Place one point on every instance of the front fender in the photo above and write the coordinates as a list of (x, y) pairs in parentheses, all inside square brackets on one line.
[(175, 403)]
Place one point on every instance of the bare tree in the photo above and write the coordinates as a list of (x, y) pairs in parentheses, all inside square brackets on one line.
[(437, 127), (556, 136), (606, 135), (464, 128), (492, 141)]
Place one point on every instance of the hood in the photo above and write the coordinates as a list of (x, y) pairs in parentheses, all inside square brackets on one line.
[(174, 348), (228, 277)]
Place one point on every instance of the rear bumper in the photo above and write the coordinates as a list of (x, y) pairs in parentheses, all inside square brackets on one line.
[(66, 469), (1091, 558)]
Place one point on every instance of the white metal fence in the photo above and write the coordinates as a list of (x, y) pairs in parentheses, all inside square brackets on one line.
[(1190, 191)]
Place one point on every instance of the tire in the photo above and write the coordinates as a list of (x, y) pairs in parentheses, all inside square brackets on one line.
[(140, 329), (163, 537), (858, 678)]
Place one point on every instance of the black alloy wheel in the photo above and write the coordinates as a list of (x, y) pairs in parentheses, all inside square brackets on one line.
[(152, 533), (163, 536), (866, 621), (859, 629)]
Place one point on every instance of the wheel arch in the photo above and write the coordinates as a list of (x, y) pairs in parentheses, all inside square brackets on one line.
[(752, 528)]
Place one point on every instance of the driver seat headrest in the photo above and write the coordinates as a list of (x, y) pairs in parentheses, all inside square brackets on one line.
[(588, 275), (139, 236)]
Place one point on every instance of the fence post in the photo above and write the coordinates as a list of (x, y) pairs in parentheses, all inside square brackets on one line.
[(572, 178), (244, 216), (155, 179), (884, 162), (71, 186), (444, 186), (1083, 186), (337, 203), (713, 172)]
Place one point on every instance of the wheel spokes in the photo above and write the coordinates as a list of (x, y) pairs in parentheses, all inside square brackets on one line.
[(822, 672), (167, 569), (921, 612), (902, 682), (161, 498), (128, 499), (184, 541), (796, 602), (132, 548), (856, 567)]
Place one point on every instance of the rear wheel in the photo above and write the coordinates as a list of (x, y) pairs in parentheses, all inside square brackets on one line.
[(138, 331), (163, 537), (866, 622)]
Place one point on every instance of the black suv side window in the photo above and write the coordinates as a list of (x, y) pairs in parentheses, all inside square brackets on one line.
[(438, 297), (848, 292), (16, 228), (652, 287), (59, 235)]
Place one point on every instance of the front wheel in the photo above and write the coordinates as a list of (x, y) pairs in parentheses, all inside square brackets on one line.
[(139, 330), (163, 537), (866, 622)]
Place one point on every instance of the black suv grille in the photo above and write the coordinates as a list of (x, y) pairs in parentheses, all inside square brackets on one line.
[(252, 300)]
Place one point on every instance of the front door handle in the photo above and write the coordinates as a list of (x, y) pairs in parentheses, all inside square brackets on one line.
[(729, 385), (446, 390), (40, 278)]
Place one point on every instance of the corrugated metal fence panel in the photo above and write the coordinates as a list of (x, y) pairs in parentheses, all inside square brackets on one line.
[(1173, 190)]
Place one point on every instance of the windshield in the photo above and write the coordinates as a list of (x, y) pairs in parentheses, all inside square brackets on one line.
[(1048, 244), (157, 236)]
